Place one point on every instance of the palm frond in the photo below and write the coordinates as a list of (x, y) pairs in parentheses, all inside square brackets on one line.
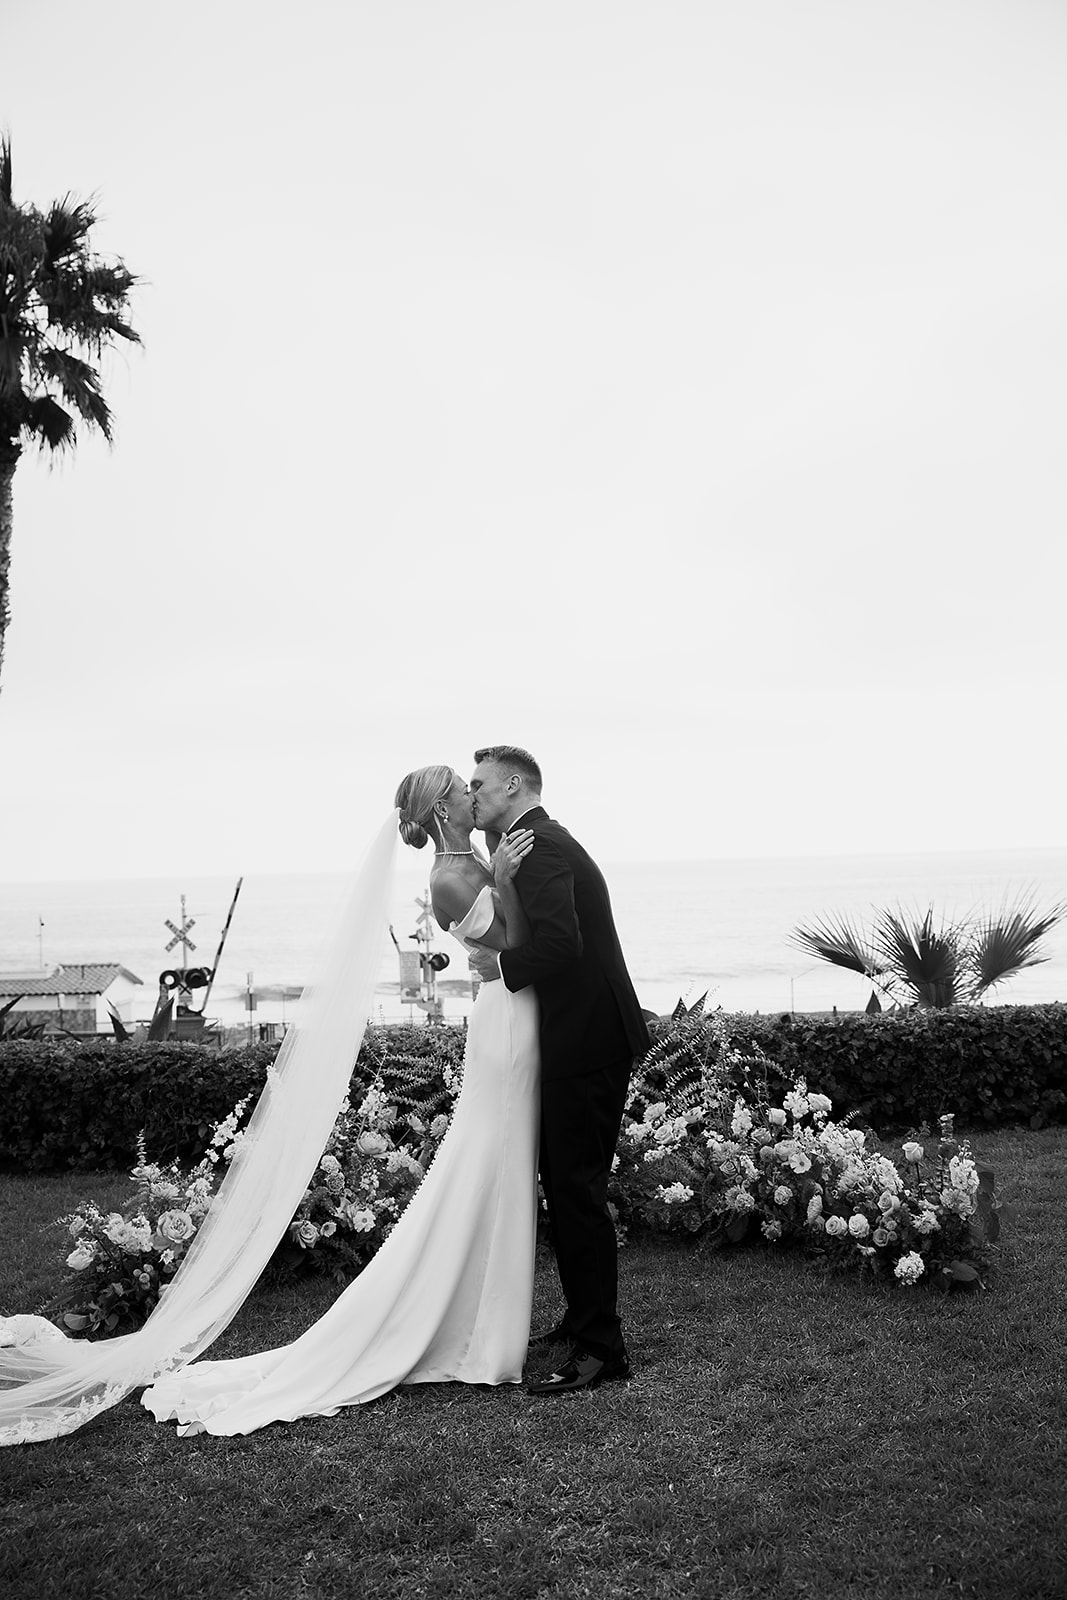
[(1003, 943), (838, 940), (108, 284), (67, 225), (927, 960), (79, 384), (45, 420)]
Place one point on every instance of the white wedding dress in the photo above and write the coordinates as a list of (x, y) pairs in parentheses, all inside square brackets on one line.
[(447, 1298)]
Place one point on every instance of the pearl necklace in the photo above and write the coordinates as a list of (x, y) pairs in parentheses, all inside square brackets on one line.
[(453, 852)]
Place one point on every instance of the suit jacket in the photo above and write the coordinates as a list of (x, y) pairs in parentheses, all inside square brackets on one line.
[(590, 1015)]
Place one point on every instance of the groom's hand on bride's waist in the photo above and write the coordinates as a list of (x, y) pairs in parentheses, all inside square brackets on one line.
[(486, 964)]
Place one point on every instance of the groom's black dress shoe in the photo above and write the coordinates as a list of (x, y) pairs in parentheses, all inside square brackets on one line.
[(581, 1371)]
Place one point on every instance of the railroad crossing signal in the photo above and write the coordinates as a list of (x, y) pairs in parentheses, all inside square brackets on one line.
[(181, 935)]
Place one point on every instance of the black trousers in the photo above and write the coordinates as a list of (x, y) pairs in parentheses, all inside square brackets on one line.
[(580, 1121)]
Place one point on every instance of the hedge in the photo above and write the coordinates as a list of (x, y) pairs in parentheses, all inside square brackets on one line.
[(70, 1104), (989, 1065), (65, 1103)]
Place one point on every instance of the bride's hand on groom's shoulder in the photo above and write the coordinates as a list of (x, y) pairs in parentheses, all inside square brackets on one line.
[(510, 853)]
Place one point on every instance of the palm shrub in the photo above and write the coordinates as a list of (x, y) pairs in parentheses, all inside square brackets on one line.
[(61, 307), (917, 959)]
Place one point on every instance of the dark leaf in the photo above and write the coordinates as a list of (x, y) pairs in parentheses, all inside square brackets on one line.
[(839, 941)]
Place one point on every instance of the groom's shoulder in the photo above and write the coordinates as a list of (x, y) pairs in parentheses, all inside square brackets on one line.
[(549, 828)]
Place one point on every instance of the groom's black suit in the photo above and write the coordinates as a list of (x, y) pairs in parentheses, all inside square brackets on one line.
[(591, 1030)]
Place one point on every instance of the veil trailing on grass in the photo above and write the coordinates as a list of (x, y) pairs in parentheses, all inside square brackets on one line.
[(51, 1385)]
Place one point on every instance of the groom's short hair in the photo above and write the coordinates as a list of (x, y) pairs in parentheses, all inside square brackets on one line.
[(520, 761)]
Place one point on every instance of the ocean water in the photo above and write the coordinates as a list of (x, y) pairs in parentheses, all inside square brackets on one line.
[(687, 927)]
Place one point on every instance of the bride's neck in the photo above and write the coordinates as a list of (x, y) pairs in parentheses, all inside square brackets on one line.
[(453, 840)]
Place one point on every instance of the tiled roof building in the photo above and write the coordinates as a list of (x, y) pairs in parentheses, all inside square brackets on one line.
[(76, 997)]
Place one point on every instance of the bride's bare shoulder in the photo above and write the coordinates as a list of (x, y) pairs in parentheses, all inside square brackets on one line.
[(452, 894)]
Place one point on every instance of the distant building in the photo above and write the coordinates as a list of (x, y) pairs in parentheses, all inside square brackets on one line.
[(74, 998)]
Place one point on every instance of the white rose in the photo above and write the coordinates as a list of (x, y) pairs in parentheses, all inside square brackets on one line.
[(913, 1152), (372, 1144), (836, 1226), (116, 1227), (858, 1226), (176, 1226), (81, 1257), (782, 1195), (305, 1234), (776, 1117)]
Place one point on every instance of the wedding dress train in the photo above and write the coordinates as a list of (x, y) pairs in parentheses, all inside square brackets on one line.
[(448, 1296)]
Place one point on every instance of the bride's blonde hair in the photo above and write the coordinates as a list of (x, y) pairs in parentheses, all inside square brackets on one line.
[(416, 797)]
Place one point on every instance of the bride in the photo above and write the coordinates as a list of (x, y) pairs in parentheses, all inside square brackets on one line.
[(448, 1296)]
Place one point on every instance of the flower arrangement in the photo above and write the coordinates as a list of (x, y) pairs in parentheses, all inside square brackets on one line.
[(703, 1151), (375, 1158), (122, 1261), (712, 1155)]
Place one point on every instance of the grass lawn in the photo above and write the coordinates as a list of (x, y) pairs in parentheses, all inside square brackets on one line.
[(785, 1434)]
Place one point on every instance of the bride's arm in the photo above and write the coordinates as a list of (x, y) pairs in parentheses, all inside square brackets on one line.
[(507, 858), (508, 928)]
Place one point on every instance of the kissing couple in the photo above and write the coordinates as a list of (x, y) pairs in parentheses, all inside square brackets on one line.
[(551, 1041)]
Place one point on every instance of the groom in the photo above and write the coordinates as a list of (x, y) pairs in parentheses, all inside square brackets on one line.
[(591, 1030)]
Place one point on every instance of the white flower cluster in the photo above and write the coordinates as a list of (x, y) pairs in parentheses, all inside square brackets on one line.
[(961, 1191), (674, 1194), (909, 1269)]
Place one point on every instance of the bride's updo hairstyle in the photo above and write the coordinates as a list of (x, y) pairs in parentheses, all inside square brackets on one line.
[(416, 797)]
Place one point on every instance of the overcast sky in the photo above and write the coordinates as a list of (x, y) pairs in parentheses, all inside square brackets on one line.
[(674, 387)]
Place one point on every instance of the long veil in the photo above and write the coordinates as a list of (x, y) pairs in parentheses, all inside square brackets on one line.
[(51, 1385)]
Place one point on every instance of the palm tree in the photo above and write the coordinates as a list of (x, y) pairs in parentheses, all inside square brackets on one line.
[(61, 307), (915, 961)]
